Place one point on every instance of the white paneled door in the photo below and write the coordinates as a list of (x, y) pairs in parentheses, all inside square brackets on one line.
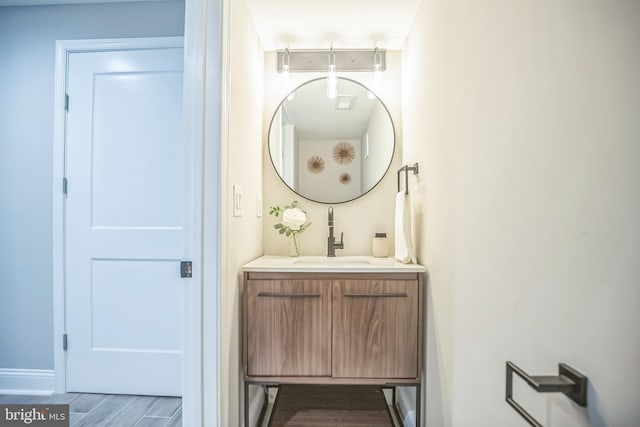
[(127, 220)]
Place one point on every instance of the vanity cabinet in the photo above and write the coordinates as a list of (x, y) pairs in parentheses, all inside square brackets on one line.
[(349, 328), (375, 329), (288, 327)]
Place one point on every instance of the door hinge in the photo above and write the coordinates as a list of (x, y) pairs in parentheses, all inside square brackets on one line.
[(186, 269), (66, 102), (65, 184), (64, 342)]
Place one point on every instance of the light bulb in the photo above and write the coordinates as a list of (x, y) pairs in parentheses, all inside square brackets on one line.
[(286, 66), (332, 78), (332, 82), (377, 74), (377, 65), (332, 92)]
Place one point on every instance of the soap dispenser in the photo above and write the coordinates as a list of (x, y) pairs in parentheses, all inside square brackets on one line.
[(380, 246)]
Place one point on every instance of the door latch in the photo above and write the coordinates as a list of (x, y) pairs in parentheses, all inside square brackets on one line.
[(186, 269)]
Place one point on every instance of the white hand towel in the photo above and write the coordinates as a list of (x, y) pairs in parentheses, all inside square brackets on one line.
[(404, 245)]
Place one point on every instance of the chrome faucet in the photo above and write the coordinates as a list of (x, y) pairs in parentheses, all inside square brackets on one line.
[(331, 240)]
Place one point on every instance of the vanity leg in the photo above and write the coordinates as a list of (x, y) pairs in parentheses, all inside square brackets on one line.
[(394, 402), (265, 403), (418, 404), (246, 405)]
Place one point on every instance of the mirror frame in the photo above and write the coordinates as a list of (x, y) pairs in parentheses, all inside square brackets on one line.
[(393, 129)]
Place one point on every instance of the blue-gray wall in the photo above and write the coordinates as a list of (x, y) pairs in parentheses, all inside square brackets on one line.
[(27, 59)]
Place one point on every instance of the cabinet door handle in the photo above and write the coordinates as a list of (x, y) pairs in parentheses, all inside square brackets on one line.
[(387, 295), (279, 295)]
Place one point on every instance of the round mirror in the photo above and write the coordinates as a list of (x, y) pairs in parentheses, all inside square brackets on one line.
[(331, 150)]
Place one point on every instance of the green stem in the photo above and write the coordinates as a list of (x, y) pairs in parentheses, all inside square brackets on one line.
[(295, 244)]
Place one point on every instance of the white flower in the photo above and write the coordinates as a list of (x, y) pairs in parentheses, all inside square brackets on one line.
[(293, 218)]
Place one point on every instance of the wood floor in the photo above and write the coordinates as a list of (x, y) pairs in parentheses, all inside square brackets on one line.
[(110, 410)]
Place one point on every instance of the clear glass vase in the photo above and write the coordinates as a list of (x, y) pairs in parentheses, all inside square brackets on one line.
[(294, 245)]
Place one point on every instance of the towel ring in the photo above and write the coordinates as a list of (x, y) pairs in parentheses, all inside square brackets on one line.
[(406, 169)]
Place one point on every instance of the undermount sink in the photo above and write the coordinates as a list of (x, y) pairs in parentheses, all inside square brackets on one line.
[(333, 261)]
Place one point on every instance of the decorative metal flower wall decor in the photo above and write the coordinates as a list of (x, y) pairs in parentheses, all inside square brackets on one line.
[(315, 164), (344, 153), (344, 178)]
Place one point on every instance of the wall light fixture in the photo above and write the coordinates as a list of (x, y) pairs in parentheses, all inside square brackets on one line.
[(317, 60)]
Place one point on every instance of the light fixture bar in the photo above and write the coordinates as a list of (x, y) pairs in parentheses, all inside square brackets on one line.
[(318, 60)]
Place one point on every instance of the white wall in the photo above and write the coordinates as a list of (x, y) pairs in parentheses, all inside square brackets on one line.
[(243, 158), (524, 118), (27, 36), (377, 205)]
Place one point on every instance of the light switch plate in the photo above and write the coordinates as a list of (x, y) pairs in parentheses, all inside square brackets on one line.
[(238, 200)]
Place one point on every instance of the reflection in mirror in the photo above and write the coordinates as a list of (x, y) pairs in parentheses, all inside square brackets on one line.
[(331, 150)]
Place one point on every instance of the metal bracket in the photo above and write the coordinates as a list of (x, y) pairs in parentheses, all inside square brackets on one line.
[(568, 381), (406, 168)]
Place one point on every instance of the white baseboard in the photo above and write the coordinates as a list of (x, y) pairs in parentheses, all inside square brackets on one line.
[(39, 382)]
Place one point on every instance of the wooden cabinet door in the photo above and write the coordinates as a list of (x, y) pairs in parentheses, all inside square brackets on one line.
[(288, 327), (375, 328)]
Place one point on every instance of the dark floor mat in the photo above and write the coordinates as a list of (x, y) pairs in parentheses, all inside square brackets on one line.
[(330, 405)]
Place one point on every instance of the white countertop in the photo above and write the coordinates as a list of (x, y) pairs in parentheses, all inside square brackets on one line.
[(323, 264)]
